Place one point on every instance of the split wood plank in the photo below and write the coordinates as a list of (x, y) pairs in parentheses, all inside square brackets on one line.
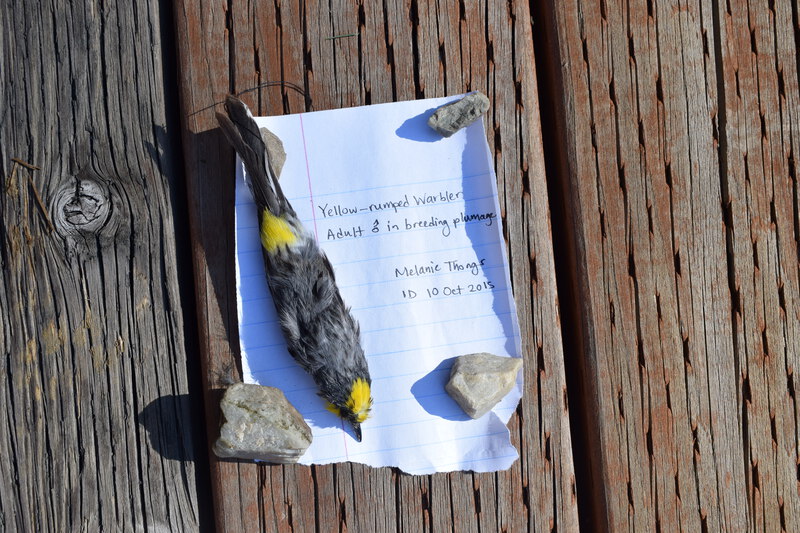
[(96, 419), (288, 57), (677, 130)]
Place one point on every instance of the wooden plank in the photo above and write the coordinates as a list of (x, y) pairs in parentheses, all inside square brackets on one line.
[(96, 419), (760, 120), (676, 134), (352, 53)]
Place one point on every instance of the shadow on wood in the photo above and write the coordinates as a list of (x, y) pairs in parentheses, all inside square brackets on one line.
[(217, 202), (164, 419)]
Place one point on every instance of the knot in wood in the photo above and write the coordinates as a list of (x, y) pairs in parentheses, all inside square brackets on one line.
[(83, 207)]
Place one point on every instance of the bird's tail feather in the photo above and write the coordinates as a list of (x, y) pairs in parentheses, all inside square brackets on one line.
[(243, 133)]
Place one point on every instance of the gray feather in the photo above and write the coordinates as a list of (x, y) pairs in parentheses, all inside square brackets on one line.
[(243, 133), (320, 332)]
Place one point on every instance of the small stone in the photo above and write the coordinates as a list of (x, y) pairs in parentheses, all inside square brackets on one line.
[(261, 424), (451, 117), (479, 380), (275, 151)]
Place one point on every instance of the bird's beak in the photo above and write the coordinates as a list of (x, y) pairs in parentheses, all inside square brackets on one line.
[(357, 430)]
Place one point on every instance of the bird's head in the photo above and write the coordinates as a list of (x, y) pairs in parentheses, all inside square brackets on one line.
[(356, 407)]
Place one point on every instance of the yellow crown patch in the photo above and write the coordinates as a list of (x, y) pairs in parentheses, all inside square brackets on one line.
[(360, 400)]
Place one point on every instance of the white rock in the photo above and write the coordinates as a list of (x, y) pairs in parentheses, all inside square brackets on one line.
[(479, 380), (275, 151), (451, 117), (260, 423)]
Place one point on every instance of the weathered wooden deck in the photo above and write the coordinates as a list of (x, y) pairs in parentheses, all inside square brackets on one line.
[(646, 155)]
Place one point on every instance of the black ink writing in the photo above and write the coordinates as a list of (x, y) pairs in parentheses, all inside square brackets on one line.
[(488, 218), (473, 267), (438, 197), (432, 222), (417, 270), (394, 205), (343, 233), (330, 210), (336, 210)]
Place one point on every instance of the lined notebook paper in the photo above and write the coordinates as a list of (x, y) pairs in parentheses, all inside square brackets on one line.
[(411, 223)]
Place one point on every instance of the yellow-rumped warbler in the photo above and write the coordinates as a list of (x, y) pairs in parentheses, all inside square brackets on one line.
[(320, 332)]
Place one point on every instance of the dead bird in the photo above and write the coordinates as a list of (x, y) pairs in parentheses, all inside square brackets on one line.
[(321, 334)]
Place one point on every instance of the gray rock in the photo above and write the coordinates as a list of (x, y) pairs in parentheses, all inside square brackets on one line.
[(275, 151), (451, 117), (260, 423), (479, 380)]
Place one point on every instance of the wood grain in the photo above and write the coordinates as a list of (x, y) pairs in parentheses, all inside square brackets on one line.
[(677, 129), (288, 57), (96, 422)]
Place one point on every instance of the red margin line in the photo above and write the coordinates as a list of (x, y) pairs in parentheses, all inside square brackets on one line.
[(308, 173), (316, 236), (344, 439)]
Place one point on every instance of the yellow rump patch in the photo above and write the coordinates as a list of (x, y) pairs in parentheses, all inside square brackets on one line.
[(275, 232)]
